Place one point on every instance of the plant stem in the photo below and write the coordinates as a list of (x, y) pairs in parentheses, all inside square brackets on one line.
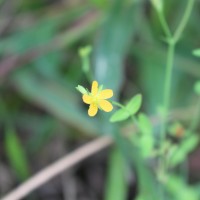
[(167, 87), (184, 20), (172, 40), (164, 25)]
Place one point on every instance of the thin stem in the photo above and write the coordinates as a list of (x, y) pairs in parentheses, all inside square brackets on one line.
[(172, 40), (184, 20), (164, 25), (167, 87), (117, 104)]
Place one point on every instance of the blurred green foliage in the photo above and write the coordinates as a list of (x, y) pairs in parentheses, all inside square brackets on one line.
[(40, 68)]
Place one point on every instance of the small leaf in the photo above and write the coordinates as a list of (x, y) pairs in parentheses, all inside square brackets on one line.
[(177, 156), (16, 154), (85, 51), (196, 52), (146, 144), (178, 188), (197, 87), (179, 153), (119, 115), (145, 124), (134, 104), (81, 89), (190, 143)]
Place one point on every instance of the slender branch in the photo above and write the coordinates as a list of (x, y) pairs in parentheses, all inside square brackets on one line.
[(172, 41), (164, 24), (184, 20), (167, 87), (58, 167)]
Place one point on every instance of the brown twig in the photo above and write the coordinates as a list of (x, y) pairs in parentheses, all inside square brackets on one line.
[(78, 155), (58, 167)]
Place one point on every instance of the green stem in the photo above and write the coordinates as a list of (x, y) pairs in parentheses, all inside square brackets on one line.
[(87, 69), (133, 118), (117, 104), (164, 25), (167, 87), (184, 20), (172, 40)]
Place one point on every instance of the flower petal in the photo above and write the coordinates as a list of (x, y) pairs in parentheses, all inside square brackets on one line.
[(94, 89), (92, 110), (105, 105), (87, 99), (105, 94)]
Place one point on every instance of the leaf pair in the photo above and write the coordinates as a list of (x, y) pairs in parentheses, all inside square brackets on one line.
[(127, 111), (179, 153)]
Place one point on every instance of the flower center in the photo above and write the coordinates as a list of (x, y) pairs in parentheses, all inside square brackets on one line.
[(95, 99)]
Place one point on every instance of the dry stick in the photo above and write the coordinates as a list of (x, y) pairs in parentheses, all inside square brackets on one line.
[(77, 156), (58, 167)]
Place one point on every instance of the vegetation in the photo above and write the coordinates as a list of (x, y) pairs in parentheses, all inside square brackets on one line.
[(142, 53)]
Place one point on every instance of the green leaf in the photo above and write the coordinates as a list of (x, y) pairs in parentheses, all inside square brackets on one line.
[(134, 104), (116, 186), (197, 87), (196, 52), (180, 190), (145, 124), (81, 89), (113, 42), (146, 141), (119, 115), (146, 145), (55, 99), (16, 154), (190, 143), (131, 108), (40, 33), (85, 51), (179, 153)]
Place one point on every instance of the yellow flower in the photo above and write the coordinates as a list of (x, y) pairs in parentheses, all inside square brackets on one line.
[(97, 99)]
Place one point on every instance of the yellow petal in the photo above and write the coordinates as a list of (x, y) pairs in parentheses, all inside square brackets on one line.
[(105, 94), (105, 105), (87, 99), (92, 110), (94, 89)]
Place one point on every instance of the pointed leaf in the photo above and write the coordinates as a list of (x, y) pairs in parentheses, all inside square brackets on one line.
[(16, 154), (134, 104), (119, 115), (81, 89), (145, 124)]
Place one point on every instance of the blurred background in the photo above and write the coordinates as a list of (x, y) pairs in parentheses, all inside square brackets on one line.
[(42, 116)]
